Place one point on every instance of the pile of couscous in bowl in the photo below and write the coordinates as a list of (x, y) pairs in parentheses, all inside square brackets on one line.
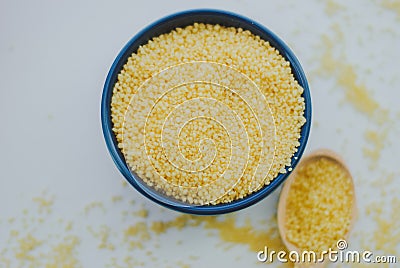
[(207, 114)]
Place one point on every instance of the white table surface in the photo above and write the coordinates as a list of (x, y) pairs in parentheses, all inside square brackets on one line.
[(54, 57)]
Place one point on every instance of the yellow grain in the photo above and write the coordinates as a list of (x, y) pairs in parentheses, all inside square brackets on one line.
[(254, 58), (319, 205)]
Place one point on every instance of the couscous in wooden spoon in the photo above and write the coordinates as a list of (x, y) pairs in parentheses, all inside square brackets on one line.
[(316, 203)]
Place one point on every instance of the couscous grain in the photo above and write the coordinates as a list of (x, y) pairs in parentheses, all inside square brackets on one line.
[(319, 206), (207, 114)]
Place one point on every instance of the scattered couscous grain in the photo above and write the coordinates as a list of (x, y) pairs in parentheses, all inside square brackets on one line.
[(392, 5), (391, 240), (207, 114), (103, 234), (116, 198), (45, 204), (91, 206), (143, 213), (69, 226), (65, 254), (26, 246), (376, 143), (319, 206), (332, 7)]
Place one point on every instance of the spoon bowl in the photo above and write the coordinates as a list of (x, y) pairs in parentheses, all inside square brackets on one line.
[(321, 153)]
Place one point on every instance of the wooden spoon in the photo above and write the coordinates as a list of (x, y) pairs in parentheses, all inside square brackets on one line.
[(321, 153)]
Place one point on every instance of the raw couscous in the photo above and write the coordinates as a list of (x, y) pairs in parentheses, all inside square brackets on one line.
[(207, 114), (319, 206)]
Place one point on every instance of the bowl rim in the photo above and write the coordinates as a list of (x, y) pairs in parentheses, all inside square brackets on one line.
[(236, 205)]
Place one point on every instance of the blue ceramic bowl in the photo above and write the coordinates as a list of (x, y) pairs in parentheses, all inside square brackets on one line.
[(166, 25)]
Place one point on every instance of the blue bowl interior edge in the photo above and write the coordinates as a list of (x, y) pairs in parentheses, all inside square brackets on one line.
[(166, 25)]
